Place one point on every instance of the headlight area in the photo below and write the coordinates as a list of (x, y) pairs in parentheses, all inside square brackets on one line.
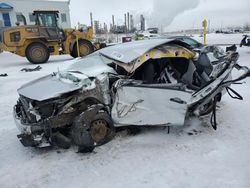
[(31, 135), (35, 134), (40, 129)]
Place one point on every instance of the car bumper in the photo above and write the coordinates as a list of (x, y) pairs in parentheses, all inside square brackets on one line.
[(27, 137)]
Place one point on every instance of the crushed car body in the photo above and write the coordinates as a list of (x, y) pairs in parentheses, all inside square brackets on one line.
[(156, 82)]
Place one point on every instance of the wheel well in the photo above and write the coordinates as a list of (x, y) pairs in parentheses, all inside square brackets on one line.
[(42, 41), (89, 102), (93, 101), (44, 54), (80, 39)]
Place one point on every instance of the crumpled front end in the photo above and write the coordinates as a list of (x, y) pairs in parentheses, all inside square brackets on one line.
[(32, 134), (43, 122)]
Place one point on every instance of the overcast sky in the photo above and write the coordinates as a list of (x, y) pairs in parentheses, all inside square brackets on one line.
[(168, 14)]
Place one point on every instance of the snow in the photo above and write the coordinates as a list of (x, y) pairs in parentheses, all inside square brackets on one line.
[(190, 156), (221, 39)]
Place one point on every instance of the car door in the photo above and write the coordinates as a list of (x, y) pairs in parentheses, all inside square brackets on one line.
[(150, 105)]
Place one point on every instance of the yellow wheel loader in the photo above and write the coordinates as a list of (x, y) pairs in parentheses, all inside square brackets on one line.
[(37, 42)]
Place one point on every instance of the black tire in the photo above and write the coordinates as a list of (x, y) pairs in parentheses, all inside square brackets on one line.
[(37, 53), (103, 45), (85, 46), (83, 130)]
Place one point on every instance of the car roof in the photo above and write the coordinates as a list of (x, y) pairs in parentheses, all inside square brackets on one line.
[(128, 52)]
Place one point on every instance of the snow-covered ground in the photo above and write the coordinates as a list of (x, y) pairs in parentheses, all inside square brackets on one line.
[(191, 156), (221, 39)]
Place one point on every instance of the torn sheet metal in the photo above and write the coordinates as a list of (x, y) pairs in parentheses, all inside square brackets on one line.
[(165, 51)]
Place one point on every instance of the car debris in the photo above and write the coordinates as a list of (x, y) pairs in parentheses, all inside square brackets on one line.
[(37, 68), (156, 82), (231, 48), (4, 75)]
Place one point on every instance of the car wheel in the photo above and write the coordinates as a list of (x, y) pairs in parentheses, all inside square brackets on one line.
[(37, 53), (103, 45), (102, 128), (85, 48), (89, 132)]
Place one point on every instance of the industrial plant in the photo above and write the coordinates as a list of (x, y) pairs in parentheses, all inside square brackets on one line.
[(128, 26)]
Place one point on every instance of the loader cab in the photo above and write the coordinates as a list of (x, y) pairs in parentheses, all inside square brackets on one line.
[(48, 24), (46, 18)]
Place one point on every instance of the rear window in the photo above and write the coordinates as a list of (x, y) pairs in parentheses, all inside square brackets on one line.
[(191, 42)]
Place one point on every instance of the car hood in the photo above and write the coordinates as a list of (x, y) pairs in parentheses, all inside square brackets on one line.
[(47, 87), (74, 78)]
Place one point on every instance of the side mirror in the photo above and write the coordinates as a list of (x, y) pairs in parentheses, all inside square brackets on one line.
[(17, 23)]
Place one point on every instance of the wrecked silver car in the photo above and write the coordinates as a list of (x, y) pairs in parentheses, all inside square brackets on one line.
[(157, 82)]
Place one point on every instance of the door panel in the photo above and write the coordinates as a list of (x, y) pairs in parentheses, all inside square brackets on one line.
[(149, 106), (51, 33)]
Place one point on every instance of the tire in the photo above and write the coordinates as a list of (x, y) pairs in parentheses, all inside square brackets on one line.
[(37, 53), (86, 133), (103, 116), (85, 46), (103, 45)]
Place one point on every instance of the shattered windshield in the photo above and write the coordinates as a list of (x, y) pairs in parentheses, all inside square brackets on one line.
[(68, 76), (74, 78)]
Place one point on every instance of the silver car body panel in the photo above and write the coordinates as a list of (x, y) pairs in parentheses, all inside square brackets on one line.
[(92, 65), (56, 84), (150, 106), (46, 88), (128, 52)]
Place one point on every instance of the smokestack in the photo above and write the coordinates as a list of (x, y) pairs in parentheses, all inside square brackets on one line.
[(105, 28), (125, 18), (143, 26), (113, 21), (128, 17), (131, 22), (91, 19)]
